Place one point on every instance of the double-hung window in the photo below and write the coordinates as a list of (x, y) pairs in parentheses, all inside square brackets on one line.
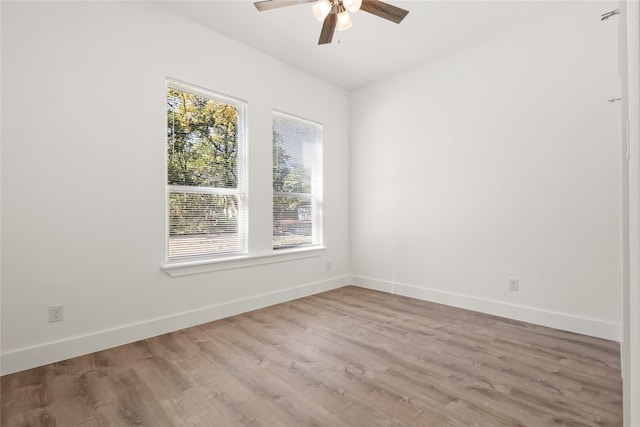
[(297, 182), (206, 174)]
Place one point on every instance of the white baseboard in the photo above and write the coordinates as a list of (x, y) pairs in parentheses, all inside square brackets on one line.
[(552, 319), (52, 352)]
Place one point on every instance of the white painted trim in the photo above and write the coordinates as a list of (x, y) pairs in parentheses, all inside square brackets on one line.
[(31, 357), (552, 319), (177, 269), (630, 23)]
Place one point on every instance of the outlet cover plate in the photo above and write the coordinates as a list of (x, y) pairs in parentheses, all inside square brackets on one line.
[(56, 313)]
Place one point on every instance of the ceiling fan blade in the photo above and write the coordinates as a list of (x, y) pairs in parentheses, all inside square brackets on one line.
[(328, 27), (274, 4), (384, 10)]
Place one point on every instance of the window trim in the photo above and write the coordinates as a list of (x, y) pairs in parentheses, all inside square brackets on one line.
[(242, 187), (185, 268), (316, 195)]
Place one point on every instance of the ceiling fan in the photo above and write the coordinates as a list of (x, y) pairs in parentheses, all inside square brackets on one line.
[(334, 14)]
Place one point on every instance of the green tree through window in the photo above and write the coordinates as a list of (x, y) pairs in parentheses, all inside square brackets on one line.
[(205, 165), (297, 201)]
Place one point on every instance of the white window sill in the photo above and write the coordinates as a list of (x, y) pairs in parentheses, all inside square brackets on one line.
[(177, 269)]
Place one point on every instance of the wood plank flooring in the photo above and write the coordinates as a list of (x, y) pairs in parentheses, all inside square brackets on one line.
[(348, 357)]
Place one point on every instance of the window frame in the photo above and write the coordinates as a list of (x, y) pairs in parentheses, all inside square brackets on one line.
[(316, 194), (242, 174)]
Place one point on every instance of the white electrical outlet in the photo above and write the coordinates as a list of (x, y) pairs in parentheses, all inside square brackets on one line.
[(56, 313), (513, 285), (328, 265)]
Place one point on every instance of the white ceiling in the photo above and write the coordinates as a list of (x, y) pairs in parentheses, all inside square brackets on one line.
[(373, 47)]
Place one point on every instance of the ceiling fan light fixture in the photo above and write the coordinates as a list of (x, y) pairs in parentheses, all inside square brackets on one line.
[(334, 14), (352, 5), (321, 9), (344, 21)]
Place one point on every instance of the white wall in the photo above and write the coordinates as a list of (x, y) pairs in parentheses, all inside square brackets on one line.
[(496, 162), (501, 161), (83, 201)]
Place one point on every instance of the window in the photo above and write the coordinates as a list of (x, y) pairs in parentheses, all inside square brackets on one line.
[(297, 182), (206, 173)]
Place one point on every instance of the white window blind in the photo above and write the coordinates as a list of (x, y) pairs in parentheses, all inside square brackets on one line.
[(297, 182), (206, 173)]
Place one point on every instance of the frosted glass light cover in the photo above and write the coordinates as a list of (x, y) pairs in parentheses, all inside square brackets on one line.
[(321, 9), (344, 21), (352, 5)]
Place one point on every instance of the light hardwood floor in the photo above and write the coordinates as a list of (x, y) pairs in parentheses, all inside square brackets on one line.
[(348, 357)]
